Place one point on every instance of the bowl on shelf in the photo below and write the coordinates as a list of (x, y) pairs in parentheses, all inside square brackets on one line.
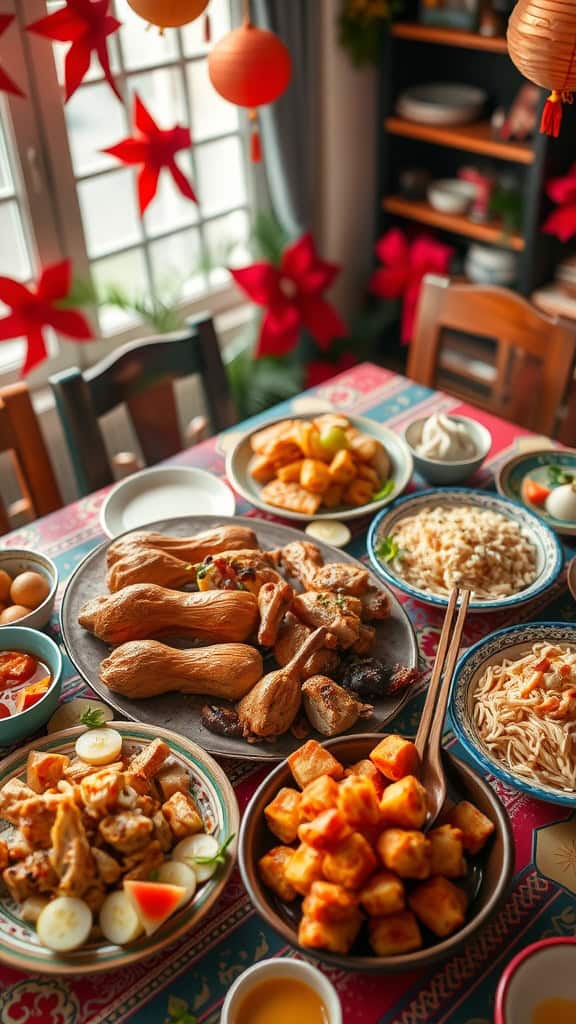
[(451, 195), (486, 265), (15, 561), (543, 972), (440, 471), (17, 726), (441, 103)]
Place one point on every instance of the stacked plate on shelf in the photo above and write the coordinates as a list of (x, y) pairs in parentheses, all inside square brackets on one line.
[(441, 103)]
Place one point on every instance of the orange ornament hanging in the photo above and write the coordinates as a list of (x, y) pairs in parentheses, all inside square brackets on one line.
[(250, 67), (171, 13), (542, 44)]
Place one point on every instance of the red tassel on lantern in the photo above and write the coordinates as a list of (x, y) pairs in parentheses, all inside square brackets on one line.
[(255, 140), (552, 115)]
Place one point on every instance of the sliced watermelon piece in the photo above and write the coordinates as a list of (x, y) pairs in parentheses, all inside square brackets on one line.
[(154, 902)]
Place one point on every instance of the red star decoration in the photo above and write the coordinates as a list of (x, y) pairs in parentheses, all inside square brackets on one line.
[(562, 191), (404, 265), (153, 148), (33, 309), (7, 84), (292, 295), (85, 24)]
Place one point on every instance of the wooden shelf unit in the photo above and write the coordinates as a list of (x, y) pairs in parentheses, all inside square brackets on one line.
[(448, 37), (473, 138), (422, 212)]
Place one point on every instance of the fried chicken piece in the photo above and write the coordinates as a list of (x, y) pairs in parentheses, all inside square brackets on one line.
[(342, 578), (237, 570), (36, 819), (30, 877), (375, 604), (339, 613), (301, 559), (150, 759), (100, 791), (329, 708), (126, 832), (189, 549), (365, 641), (263, 440), (4, 855), (12, 795), (108, 870), (162, 831), (143, 863), (274, 600), (291, 635), (148, 565), (70, 854)]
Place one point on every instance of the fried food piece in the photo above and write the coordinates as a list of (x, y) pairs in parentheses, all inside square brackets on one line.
[(70, 854), (145, 861), (334, 936), (332, 497), (264, 440), (108, 869), (407, 853), (126, 832), (272, 871), (262, 469), (440, 905), (383, 894), (396, 757), (172, 778), (447, 852), (325, 831), (329, 708), (12, 795), (290, 474), (376, 604), (189, 549), (150, 759), (351, 862), (182, 814), (291, 635), (30, 877), (221, 721), (310, 761), (404, 803), (327, 901), (319, 795), (339, 613), (314, 476), (274, 600), (358, 802), (45, 770), (365, 641), (476, 828), (340, 577), (394, 934), (366, 769), (147, 565), (303, 868), (282, 814), (343, 468), (358, 493), (290, 496), (301, 559)]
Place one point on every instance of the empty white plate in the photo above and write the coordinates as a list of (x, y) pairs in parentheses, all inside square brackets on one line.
[(164, 493)]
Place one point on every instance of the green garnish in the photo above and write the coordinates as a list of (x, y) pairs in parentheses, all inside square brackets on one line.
[(220, 855), (179, 1012), (557, 476), (202, 572), (323, 600), (93, 718), (341, 601), (387, 550), (384, 491)]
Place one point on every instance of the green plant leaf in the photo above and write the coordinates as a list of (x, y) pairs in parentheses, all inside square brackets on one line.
[(268, 238), (557, 475), (387, 549), (384, 491), (220, 855), (93, 718)]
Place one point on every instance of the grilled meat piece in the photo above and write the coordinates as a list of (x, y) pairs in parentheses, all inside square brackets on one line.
[(365, 641), (370, 679), (127, 832), (70, 852), (222, 721), (108, 870), (30, 877), (341, 578), (189, 549), (274, 600), (144, 862), (375, 605), (302, 560), (339, 613), (329, 708), (12, 795), (401, 678), (148, 565), (291, 636)]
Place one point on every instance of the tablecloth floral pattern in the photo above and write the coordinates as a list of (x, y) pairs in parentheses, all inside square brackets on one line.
[(189, 981)]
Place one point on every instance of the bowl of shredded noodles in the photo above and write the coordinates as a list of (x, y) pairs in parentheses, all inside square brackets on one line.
[(429, 542), (513, 704)]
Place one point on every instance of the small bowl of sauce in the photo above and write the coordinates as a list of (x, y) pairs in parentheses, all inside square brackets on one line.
[(539, 985), (283, 991), (30, 682)]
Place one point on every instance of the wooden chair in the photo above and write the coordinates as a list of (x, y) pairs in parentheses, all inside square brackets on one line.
[(491, 347), (21, 437), (141, 376)]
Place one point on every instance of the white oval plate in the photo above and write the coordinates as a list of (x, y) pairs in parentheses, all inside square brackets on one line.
[(167, 492)]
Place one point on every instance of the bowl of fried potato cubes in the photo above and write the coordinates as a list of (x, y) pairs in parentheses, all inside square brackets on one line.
[(335, 855), (329, 466)]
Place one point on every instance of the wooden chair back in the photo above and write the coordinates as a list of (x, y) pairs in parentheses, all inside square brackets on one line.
[(491, 347), (140, 375), (21, 438)]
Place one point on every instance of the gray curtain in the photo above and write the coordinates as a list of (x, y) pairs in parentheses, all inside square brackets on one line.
[(288, 126)]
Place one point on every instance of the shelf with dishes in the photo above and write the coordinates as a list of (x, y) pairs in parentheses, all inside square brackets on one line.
[(473, 138), (448, 37), (490, 232)]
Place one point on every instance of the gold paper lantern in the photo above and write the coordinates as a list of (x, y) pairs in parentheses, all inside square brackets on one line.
[(169, 13), (542, 44)]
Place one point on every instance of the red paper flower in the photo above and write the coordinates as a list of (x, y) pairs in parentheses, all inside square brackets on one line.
[(33, 309), (7, 84), (292, 295), (85, 24), (153, 148), (319, 371), (562, 191), (405, 264)]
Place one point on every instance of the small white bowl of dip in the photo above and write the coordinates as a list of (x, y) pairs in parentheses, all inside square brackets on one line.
[(441, 461), (276, 986)]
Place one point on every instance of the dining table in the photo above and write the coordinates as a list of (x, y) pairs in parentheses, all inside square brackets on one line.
[(186, 983)]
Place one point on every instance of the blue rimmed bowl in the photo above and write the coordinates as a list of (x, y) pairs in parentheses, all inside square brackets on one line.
[(41, 646), (549, 552), (511, 644), (535, 465)]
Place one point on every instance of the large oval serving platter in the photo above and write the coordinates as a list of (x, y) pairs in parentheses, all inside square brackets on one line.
[(19, 945), (395, 643)]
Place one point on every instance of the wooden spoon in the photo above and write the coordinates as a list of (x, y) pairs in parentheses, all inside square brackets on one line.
[(429, 736)]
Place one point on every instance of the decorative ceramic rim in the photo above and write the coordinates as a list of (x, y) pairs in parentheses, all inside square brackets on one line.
[(468, 463), (547, 455), (500, 1011), (20, 716), (157, 471), (400, 455), (27, 555), (468, 665), (549, 549), (31, 956), (571, 577)]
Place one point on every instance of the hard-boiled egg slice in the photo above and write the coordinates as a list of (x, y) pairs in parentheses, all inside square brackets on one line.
[(193, 847), (99, 746), (64, 924), (176, 872), (118, 920)]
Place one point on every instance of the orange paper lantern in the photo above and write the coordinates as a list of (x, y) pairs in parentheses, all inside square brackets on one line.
[(170, 13), (542, 44), (250, 67)]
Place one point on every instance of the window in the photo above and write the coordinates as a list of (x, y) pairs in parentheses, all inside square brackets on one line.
[(60, 195)]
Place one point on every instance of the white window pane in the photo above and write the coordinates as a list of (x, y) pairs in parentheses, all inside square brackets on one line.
[(109, 212), (220, 175), (170, 209), (14, 256), (193, 34), (143, 45), (12, 353), (177, 266), (127, 274), (6, 182), (227, 244), (211, 115), (95, 119), (162, 92), (60, 50)]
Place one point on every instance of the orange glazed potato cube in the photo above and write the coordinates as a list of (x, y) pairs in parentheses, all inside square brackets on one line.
[(396, 757), (404, 803), (318, 796), (440, 905), (303, 868), (342, 468), (350, 863), (333, 496), (407, 853), (314, 476), (397, 933), (383, 894), (447, 852), (262, 469), (334, 936), (290, 474), (272, 871), (366, 769), (329, 902), (310, 761), (282, 814), (358, 802), (325, 831), (476, 827), (359, 492)]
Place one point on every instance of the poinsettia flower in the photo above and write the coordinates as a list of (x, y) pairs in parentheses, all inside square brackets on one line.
[(404, 265), (86, 25), (32, 309), (318, 371), (562, 191), (292, 295), (153, 149), (8, 84)]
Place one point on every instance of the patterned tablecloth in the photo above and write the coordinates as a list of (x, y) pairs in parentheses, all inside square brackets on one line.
[(190, 980)]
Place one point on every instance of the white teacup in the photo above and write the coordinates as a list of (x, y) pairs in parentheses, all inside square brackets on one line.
[(286, 967)]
